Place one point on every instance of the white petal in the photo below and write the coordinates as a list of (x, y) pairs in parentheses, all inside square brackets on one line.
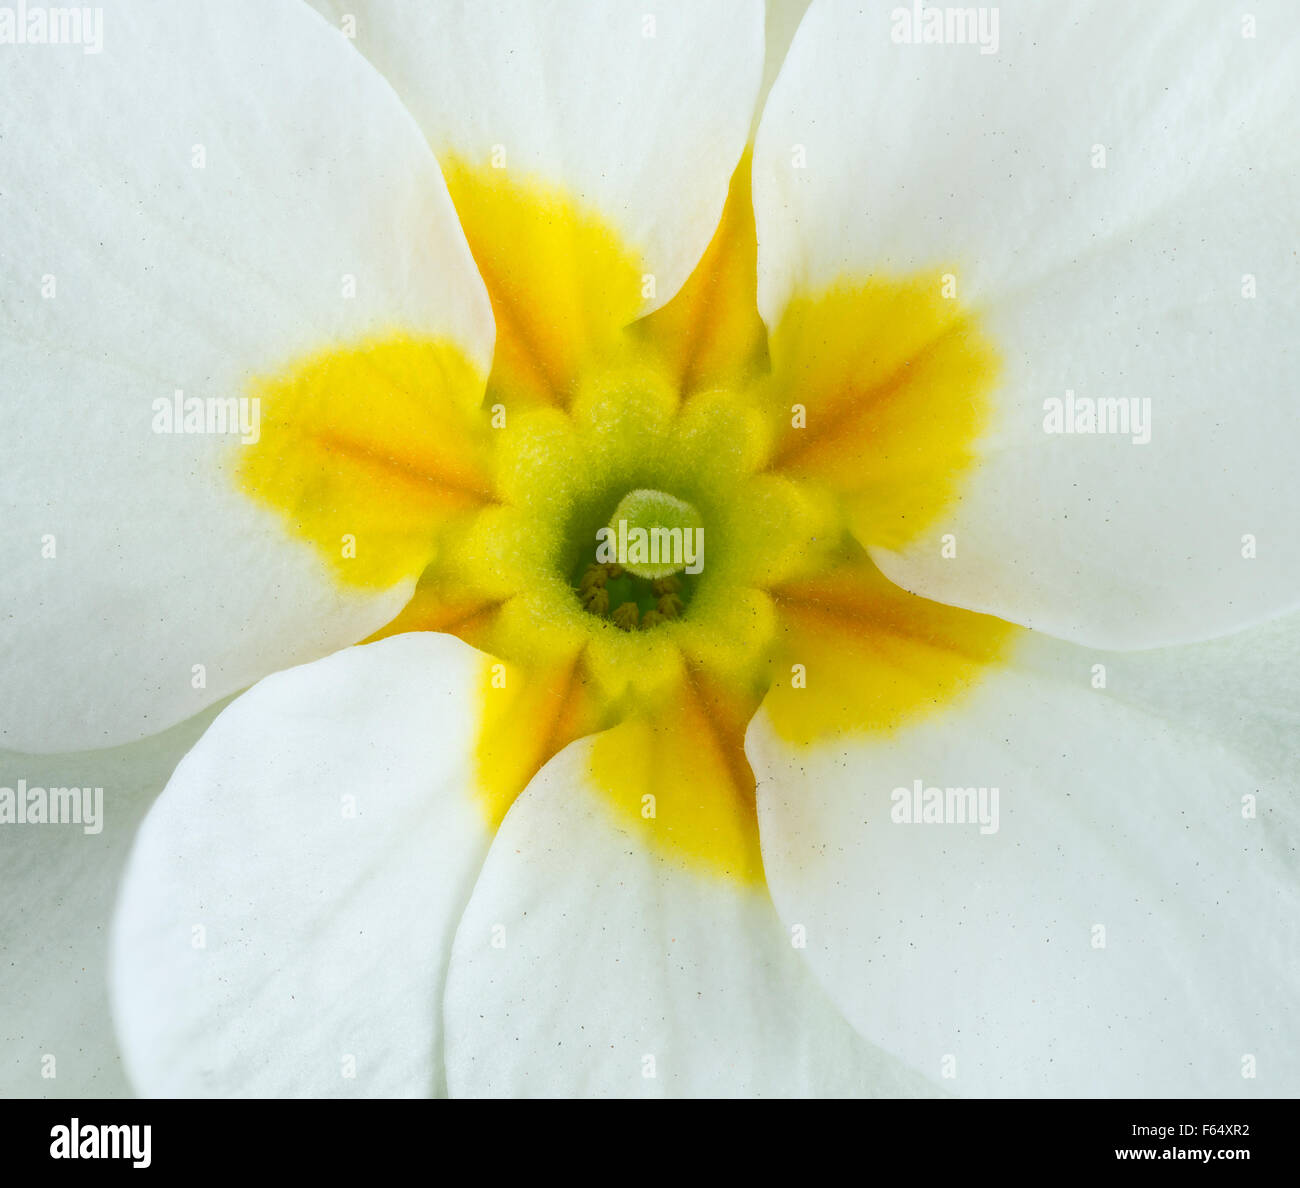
[(639, 111), (1131, 926), (586, 966), (782, 21), (288, 909), (131, 273), (57, 886), (1123, 282)]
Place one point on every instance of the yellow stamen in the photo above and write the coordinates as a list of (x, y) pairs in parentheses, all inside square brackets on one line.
[(594, 577), (626, 616), (670, 606)]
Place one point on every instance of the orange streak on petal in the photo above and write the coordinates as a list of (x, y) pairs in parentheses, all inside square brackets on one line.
[(710, 332), (677, 776), (561, 282), (879, 390), (859, 655), (370, 451), (528, 716)]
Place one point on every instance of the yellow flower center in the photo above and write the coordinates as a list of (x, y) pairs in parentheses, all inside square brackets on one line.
[(770, 461)]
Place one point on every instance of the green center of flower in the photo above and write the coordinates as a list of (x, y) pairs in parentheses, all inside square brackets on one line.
[(646, 560)]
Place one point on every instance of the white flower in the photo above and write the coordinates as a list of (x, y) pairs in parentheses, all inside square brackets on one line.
[(540, 864)]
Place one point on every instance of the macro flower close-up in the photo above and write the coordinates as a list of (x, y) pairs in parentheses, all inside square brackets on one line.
[(573, 549)]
